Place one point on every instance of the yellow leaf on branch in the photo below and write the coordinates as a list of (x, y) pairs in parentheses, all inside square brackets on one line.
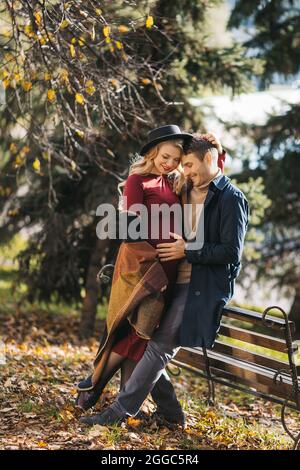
[(157, 86), (90, 90), (106, 31), (43, 40), (5, 83), (93, 33), (13, 148), (51, 95), (119, 45), (115, 82), (38, 18), (13, 212), (36, 165), (19, 161), (81, 135), (89, 87), (28, 30), (64, 24), (79, 98), (73, 165), (26, 85), (123, 28), (72, 51), (4, 73), (149, 21), (25, 150), (146, 81)]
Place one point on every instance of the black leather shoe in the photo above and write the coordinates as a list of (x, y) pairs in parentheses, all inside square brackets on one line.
[(169, 420), (107, 417)]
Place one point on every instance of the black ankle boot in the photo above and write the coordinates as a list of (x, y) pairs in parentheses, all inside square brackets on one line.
[(86, 399)]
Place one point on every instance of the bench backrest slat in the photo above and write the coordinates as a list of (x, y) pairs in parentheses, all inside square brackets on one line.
[(252, 337), (276, 325), (250, 356)]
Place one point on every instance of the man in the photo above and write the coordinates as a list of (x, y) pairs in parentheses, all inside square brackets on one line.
[(205, 284)]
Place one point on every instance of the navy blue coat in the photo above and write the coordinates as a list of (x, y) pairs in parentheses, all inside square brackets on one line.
[(216, 265)]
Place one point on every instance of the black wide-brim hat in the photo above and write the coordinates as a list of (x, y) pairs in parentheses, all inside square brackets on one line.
[(163, 133)]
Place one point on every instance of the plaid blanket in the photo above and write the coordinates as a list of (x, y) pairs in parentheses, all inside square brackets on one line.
[(135, 297)]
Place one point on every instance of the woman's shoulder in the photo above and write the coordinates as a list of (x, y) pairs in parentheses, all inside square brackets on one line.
[(134, 177), (134, 180)]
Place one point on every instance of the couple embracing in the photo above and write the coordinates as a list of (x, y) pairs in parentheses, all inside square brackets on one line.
[(171, 283)]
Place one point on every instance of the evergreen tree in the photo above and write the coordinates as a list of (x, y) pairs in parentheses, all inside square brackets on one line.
[(275, 39)]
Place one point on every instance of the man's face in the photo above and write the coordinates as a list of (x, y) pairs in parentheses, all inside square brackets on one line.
[(195, 169)]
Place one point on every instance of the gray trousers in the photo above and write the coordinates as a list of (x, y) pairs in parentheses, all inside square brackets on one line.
[(149, 375)]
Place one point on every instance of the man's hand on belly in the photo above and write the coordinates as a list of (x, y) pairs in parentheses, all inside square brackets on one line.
[(171, 251)]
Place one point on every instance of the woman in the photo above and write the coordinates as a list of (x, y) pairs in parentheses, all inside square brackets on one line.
[(148, 183)]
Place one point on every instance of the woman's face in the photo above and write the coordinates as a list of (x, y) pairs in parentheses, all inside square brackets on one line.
[(167, 159)]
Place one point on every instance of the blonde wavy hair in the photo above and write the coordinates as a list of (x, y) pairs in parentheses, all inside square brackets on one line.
[(143, 165)]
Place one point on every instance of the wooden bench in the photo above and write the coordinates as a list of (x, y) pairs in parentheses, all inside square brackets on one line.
[(254, 353)]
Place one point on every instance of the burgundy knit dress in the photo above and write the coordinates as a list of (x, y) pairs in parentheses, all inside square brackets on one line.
[(149, 190)]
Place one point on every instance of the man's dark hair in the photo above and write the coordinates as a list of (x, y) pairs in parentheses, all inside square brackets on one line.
[(199, 147)]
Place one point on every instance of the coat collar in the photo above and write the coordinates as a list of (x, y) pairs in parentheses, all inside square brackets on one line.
[(218, 183)]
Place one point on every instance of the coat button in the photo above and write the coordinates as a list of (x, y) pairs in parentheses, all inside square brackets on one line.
[(197, 292)]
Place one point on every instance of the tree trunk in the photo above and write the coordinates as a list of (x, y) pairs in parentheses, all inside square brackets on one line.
[(92, 287), (295, 311)]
